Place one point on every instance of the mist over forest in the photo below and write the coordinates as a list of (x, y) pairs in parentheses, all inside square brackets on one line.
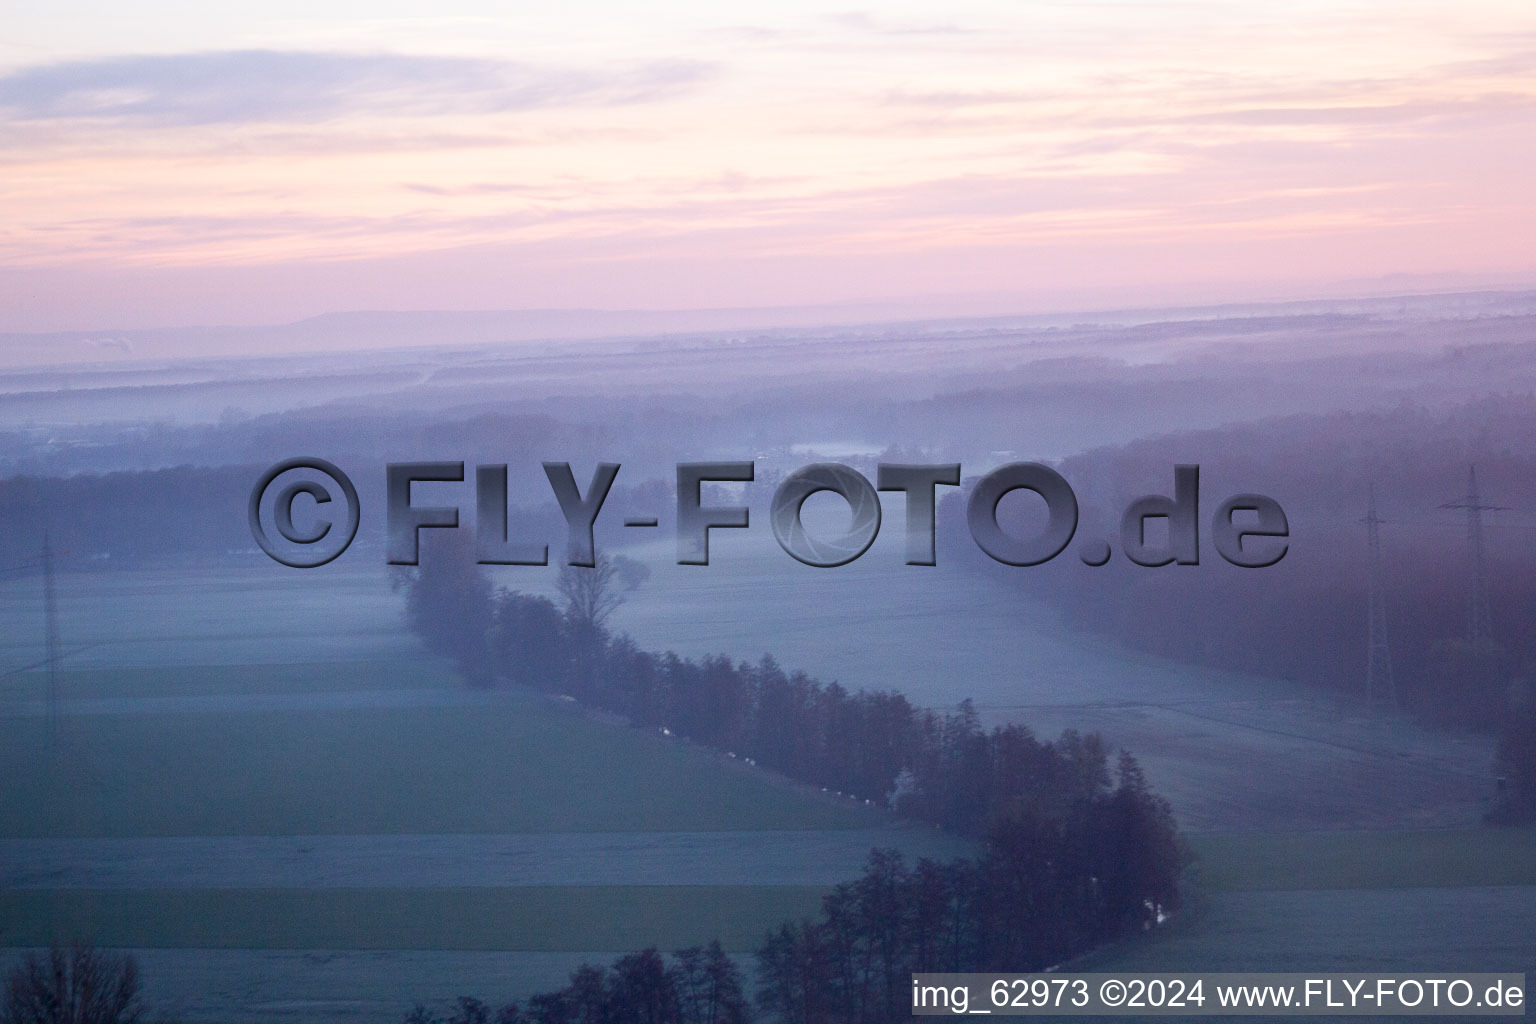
[(1108, 726), (1311, 404)]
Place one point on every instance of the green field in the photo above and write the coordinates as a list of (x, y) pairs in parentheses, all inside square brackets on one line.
[(281, 677), (528, 766), (1409, 901), (1364, 860), (531, 919), (523, 764)]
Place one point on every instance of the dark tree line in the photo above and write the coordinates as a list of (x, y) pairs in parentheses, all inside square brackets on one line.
[(197, 512), (126, 518), (869, 744), (1051, 883), (700, 985), (1306, 618), (1076, 853), (1048, 885)]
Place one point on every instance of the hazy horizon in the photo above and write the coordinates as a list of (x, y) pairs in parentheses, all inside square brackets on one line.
[(170, 166), (359, 331)]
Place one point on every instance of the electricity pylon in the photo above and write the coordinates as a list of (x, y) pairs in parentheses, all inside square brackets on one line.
[(1379, 687), (1479, 627)]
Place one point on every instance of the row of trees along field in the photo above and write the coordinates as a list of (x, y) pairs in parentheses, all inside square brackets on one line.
[(1020, 902), (701, 985), (1075, 853)]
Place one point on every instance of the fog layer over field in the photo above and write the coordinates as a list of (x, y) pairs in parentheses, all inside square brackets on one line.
[(265, 761)]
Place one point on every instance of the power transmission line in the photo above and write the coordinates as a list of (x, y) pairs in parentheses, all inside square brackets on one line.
[(1379, 686), (1479, 627)]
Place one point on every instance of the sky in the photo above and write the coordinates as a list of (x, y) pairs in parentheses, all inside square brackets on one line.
[(175, 163)]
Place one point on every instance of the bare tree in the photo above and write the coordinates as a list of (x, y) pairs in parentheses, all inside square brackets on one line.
[(79, 985), (591, 594)]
